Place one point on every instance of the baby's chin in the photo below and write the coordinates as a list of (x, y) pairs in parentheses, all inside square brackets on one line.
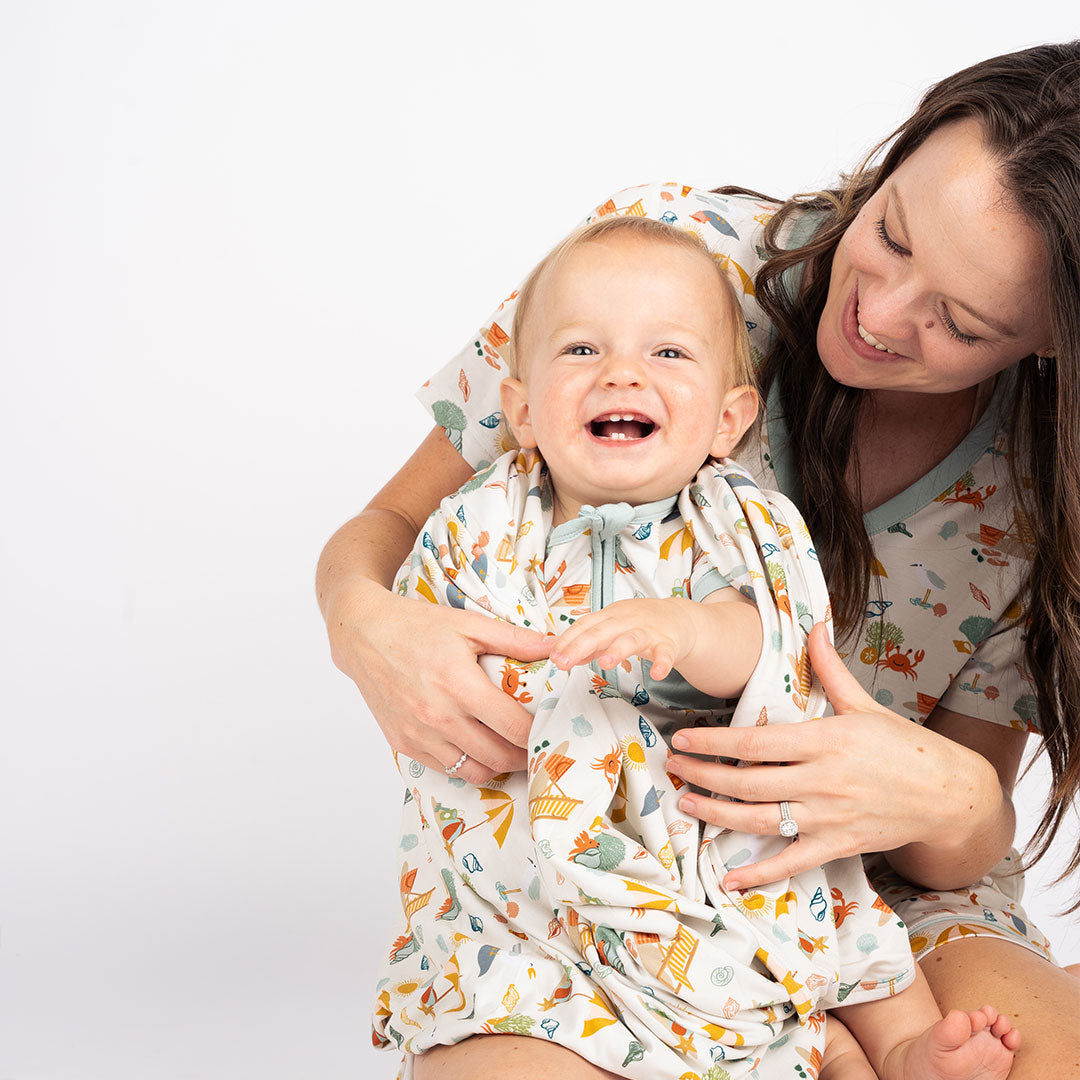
[(568, 507)]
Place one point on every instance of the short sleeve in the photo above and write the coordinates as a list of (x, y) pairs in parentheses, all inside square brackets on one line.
[(705, 579), (463, 397), (993, 684)]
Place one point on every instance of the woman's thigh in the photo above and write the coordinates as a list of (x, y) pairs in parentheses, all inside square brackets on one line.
[(505, 1057), (1042, 1000)]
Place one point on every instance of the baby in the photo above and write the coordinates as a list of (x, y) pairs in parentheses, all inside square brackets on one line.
[(601, 921)]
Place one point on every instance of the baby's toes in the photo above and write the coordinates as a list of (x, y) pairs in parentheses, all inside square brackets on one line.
[(1002, 1028), (955, 1029)]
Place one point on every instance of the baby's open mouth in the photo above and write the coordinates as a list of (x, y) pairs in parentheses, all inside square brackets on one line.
[(621, 427)]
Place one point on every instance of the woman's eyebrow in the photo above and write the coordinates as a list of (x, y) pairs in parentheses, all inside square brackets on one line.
[(1001, 328), (998, 327)]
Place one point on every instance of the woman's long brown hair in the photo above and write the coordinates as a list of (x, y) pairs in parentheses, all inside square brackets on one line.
[(1028, 104)]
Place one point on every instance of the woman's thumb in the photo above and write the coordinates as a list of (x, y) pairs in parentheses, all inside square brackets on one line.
[(841, 687)]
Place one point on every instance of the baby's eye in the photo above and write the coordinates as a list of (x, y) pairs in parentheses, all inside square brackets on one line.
[(579, 350), (669, 352)]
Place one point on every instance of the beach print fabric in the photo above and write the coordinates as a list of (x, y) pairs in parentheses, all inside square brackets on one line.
[(574, 902), (952, 551)]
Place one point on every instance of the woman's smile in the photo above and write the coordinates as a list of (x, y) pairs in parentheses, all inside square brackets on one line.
[(859, 339)]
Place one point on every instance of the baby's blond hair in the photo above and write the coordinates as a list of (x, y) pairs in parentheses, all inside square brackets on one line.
[(646, 229)]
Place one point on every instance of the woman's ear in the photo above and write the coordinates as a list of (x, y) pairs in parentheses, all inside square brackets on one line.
[(515, 407), (738, 411)]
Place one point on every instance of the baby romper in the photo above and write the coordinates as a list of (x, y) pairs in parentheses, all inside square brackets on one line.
[(575, 902)]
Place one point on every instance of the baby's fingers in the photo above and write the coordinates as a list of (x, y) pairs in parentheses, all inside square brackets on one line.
[(606, 640)]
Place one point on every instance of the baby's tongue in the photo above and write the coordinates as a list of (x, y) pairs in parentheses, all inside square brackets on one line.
[(626, 429)]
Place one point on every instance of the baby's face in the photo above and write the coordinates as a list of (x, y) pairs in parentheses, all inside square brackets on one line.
[(626, 360)]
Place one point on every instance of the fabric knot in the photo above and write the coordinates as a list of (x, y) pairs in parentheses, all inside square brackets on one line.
[(608, 520)]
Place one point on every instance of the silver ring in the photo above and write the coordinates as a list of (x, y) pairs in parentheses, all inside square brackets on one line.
[(452, 769), (789, 827)]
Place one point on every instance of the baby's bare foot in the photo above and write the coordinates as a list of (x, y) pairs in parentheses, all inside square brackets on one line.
[(964, 1046)]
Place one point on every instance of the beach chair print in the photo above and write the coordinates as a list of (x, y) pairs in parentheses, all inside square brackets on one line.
[(553, 803)]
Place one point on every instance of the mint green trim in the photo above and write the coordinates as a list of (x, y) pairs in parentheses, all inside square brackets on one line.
[(911, 500), (806, 224), (779, 458), (604, 524), (709, 582)]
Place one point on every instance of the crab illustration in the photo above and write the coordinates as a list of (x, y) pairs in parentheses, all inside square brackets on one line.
[(903, 662), (971, 497), (512, 684)]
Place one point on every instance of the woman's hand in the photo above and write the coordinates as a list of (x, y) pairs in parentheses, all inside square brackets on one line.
[(416, 667), (862, 780)]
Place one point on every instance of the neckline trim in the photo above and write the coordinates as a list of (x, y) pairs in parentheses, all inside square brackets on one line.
[(907, 503)]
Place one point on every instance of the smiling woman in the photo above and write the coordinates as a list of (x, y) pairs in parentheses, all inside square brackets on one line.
[(929, 285)]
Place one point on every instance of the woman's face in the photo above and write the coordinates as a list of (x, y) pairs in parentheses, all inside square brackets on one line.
[(939, 283)]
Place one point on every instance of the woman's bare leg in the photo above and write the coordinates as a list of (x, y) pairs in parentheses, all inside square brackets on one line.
[(1042, 1000), (505, 1057)]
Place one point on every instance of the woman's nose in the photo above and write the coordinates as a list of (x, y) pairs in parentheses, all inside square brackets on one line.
[(887, 311)]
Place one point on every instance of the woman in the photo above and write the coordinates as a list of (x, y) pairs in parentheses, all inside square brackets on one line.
[(932, 300)]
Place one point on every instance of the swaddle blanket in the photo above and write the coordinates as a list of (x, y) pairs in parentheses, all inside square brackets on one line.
[(576, 902)]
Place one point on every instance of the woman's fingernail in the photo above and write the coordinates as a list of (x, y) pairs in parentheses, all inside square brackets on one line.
[(732, 885), (680, 742), (686, 804)]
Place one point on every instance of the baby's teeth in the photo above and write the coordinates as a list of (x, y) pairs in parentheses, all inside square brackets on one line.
[(617, 435)]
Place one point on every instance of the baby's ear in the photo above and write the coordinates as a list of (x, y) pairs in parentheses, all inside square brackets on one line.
[(738, 412), (515, 407)]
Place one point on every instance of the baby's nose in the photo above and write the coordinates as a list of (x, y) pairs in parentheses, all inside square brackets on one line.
[(623, 369)]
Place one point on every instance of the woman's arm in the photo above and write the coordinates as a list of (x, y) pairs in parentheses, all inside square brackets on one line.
[(977, 825), (415, 664)]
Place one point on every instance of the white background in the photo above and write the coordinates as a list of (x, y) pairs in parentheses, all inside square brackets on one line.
[(234, 236)]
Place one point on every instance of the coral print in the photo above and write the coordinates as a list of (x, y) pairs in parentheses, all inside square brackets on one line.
[(575, 902)]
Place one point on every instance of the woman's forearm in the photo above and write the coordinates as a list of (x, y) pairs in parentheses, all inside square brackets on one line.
[(973, 824), (371, 546), (962, 857)]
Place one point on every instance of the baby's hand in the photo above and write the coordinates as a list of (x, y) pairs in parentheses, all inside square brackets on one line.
[(662, 631)]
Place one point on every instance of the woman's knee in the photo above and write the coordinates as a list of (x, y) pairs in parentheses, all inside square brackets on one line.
[(1042, 1000), (506, 1057)]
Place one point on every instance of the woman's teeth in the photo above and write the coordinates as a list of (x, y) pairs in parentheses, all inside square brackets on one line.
[(871, 340)]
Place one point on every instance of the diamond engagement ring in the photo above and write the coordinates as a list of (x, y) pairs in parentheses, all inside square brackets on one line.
[(789, 827), (451, 770)]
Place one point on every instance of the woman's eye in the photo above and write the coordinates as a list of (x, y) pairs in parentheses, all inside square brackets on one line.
[(887, 240), (954, 331)]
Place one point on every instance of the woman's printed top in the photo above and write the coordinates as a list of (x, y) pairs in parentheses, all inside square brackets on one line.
[(951, 551), (575, 901)]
